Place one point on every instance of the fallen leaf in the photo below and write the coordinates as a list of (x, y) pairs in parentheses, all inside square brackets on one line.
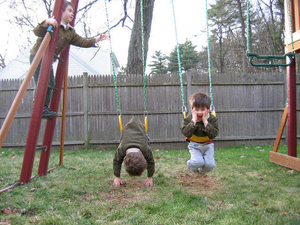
[(297, 214), (254, 203), (261, 217), (290, 171), (33, 189), (261, 179), (15, 156), (1, 153), (1, 179), (262, 150), (34, 221), (209, 207), (157, 150), (205, 198), (257, 147), (246, 147), (7, 222), (242, 156), (8, 211), (158, 157), (283, 213)]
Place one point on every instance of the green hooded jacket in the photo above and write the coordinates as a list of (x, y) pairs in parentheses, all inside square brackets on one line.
[(133, 136)]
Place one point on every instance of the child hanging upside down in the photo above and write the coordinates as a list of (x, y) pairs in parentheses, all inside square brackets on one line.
[(134, 149), (200, 128)]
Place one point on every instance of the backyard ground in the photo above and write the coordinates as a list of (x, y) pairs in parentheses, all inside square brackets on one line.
[(244, 188)]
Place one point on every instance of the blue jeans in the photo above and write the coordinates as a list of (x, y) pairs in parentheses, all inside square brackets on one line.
[(50, 84), (202, 157)]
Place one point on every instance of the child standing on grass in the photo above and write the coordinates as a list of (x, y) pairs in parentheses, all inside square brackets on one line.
[(66, 35), (200, 128), (134, 149)]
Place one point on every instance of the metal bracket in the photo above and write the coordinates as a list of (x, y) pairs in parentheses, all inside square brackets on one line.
[(270, 59)]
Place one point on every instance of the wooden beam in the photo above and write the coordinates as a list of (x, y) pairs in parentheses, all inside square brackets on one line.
[(289, 48), (281, 129), (296, 15), (285, 160)]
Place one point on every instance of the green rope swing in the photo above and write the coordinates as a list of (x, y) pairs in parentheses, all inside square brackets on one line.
[(212, 107), (270, 58), (114, 73), (184, 109), (144, 67)]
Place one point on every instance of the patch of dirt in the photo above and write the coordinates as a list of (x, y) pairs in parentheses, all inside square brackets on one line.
[(130, 192), (197, 184)]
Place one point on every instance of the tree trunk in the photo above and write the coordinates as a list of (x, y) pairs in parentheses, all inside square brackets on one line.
[(243, 31), (135, 51)]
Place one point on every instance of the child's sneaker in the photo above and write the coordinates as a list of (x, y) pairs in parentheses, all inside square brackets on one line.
[(201, 173), (48, 113)]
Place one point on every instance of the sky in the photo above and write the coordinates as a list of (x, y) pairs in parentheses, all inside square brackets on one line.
[(190, 17)]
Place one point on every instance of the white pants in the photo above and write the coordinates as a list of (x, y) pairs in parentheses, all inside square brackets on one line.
[(202, 157)]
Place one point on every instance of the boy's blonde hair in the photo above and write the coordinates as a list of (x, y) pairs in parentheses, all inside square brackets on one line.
[(200, 100), (135, 163), (66, 3)]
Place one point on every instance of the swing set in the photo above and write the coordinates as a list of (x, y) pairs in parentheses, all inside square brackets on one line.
[(292, 26)]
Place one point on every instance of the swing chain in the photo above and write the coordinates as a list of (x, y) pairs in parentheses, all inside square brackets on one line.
[(184, 109), (145, 113), (119, 112)]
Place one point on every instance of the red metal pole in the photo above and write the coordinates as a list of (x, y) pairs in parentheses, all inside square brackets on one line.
[(292, 113), (50, 126), (42, 86)]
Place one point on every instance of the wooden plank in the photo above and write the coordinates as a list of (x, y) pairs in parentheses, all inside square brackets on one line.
[(289, 48), (285, 160), (296, 14), (281, 129)]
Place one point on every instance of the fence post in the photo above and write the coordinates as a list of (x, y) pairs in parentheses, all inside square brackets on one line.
[(188, 87), (85, 110)]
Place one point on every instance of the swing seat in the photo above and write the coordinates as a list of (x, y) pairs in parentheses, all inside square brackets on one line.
[(270, 58)]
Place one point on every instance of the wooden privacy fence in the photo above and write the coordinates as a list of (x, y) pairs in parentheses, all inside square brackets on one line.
[(249, 108)]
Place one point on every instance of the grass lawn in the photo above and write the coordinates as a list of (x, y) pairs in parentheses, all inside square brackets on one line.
[(244, 188)]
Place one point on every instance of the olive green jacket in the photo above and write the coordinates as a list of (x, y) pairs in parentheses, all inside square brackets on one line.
[(189, 129), (133, 136), (65, 37)]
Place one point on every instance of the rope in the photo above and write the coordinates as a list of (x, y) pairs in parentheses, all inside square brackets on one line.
[(112, 58), (208, 53), (114, 72), (143, 50), (179, 63)]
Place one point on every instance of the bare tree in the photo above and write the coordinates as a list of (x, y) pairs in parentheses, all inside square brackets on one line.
[(135, 51)]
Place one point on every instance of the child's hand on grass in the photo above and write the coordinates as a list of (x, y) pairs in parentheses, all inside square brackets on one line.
[(117, 182), (148, 182)]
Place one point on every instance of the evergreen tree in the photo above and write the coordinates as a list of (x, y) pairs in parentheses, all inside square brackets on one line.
[(189, 57), (159, 63)]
